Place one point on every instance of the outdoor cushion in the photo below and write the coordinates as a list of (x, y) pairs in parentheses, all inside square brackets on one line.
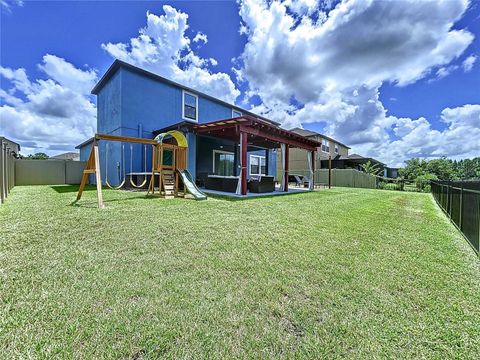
[(263, 184), (221, 183)]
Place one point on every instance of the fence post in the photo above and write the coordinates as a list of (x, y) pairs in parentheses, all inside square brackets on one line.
[(2, 194), (7, 174), (461, 207), (449, 193)]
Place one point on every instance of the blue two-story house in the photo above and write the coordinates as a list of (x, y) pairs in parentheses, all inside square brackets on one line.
[(134, 102)]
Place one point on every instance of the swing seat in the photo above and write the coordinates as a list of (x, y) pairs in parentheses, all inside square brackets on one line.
[(134, 179)]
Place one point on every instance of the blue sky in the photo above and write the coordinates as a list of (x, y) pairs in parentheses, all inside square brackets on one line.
[(390, 94)]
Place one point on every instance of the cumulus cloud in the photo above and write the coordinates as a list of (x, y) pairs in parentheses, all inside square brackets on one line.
[(419, 139), (47, 115), (8, 4), (200, 37), (469, 62), (466, 65), (333, 62), (163, 47)]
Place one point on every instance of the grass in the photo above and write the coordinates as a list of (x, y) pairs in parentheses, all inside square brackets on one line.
[(335, 273)]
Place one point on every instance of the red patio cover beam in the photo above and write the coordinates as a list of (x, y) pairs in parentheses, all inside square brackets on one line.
[(244, 163), (287, 160), (285, 139)]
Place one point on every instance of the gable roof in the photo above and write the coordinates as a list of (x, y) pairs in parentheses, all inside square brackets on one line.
[(86, 142), (357, 157), (66, 155), (308, 133), (10, 141), (117, 64)]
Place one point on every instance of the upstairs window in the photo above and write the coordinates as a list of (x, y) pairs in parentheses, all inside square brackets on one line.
[(258, 165), (236, 113), (325, 146), (336, 149), (190, 106)]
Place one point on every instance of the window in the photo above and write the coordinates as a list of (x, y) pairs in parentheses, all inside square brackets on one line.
[(336, 149), (236, 113), (223, 163), (258, 165), (325, 146), (190, 106)]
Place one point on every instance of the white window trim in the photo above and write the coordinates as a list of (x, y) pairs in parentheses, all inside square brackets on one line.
[(336, 149), (221, 152), (235, 110), (327, 145), (183, 106), (260, 157)]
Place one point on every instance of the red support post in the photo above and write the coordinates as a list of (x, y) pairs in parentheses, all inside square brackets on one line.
[(243, 173), (286, 167)]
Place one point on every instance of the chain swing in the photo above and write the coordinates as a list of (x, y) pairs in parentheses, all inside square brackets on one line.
[(144, 167), (106, 168)]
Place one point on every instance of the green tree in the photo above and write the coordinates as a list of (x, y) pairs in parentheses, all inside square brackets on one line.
[(37, 156), (442, 168), (415, 167), (371, 168)]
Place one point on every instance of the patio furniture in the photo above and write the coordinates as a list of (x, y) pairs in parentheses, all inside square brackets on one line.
[(221, 183), (263, 184), (298, 180), (201, 179)]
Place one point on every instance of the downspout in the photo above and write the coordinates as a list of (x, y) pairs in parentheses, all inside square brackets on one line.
[(142, 153)]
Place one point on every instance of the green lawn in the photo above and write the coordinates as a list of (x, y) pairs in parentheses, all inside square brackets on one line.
[(335, 273)]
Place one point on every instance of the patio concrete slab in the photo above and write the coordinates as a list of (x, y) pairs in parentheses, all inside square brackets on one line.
[(252, 195)]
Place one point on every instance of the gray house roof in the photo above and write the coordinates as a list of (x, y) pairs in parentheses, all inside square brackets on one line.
[(67, 156), (86, 142), (359, 158), (117, 64), (10, 141), (308, 133)]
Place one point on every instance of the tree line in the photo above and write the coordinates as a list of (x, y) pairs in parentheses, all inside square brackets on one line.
[(441, 169)]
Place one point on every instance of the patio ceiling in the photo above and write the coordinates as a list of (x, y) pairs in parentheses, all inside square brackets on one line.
[(260, 133)]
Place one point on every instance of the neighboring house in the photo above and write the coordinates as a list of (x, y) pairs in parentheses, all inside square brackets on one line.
[(391, 172), (327, 147), (138, 103), (330, 148), (10, 146), (353, 161), (8, 151), (74, 156)]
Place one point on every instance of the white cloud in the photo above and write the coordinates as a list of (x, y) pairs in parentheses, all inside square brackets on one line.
[(466, 65), (200, 37), (67, 75), (8, 4), (163, 47), (48, 115), (469, 62), (419, 139), (334, 62)]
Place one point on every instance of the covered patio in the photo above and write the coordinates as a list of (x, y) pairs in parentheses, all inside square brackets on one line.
[(248, 132)]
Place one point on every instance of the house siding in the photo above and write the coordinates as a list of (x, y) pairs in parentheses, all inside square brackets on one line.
[(298, 158), (132, 104)]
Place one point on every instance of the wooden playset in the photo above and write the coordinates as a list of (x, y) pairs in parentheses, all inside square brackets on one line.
[(167, 176)]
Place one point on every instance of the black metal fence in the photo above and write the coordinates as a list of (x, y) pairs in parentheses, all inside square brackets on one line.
[(402, 184), (460, 200)]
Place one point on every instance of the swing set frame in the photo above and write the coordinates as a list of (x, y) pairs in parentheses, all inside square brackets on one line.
[(179, 162)]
